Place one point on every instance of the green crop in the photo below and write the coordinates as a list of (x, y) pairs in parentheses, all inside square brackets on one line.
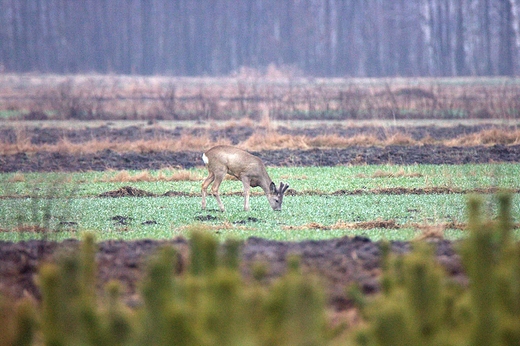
[(323, 202), (302, 217), (321, 180)]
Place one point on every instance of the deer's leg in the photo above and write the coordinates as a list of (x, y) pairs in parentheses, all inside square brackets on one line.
[(247, 188), (205, 185), (219, 176)]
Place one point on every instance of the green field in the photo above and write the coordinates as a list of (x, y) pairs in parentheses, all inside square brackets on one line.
[(311, 180), (389, 201)]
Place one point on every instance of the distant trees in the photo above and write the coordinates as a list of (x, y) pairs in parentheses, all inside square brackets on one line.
[(215, 37)]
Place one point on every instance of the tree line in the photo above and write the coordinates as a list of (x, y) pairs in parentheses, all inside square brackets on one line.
[(356, 38)]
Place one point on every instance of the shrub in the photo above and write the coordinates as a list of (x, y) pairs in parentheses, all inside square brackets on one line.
[(210, 304), (421, 306)]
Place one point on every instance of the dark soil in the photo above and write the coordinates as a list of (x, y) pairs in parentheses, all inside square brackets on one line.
[(107, 159), (338, 262)]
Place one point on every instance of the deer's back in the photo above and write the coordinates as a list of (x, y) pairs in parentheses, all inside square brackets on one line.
[(236, 161)]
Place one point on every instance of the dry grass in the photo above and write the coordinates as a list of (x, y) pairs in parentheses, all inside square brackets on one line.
[(184, 143), (387, 224), (64, 146), (273, 140), (401, 139), (17, 178), (487, 137), (430, 231), (335, 141), (245, 122), (261, 139), (145, 176), (21, 144), (427, 230), (27, 229), (226, 225)]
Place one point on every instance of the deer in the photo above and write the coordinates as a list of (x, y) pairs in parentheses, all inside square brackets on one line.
[(248, 168)]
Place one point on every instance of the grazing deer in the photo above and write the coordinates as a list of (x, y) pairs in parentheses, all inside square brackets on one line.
[(247, 168)]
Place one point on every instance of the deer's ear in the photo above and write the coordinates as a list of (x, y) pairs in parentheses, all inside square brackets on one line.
[(272, 188)]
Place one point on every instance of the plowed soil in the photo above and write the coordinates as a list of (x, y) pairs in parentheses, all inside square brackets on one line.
[(338, 262)]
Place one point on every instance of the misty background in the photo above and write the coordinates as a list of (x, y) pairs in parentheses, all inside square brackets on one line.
[(343, 38)]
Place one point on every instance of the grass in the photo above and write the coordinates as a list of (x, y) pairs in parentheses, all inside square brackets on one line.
[(303, 217), (380, 201)]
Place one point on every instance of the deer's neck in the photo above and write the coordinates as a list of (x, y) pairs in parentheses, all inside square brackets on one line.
[(265, 184)]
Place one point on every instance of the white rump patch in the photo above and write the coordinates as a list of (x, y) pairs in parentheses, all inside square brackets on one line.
[(205, 159)]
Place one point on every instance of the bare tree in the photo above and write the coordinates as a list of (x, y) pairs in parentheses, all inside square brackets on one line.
[(215, 37), (506, 39)]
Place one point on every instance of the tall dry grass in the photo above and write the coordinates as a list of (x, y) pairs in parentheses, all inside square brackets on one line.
[(487, 137), (261, 139), (335, 141), (65, 146), (272, 140)]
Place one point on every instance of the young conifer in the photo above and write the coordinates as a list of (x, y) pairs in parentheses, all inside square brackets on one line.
[(479, 257), (203, 249), (25, 323)]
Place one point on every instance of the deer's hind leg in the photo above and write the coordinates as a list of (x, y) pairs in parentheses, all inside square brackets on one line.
[(205, 184)]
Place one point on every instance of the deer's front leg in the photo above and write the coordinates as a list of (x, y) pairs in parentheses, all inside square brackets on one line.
[(247, 188)]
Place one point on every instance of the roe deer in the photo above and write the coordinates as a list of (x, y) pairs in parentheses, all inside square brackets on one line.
[(247, 168)]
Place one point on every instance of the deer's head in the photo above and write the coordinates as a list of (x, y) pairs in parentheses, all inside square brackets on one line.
[(275, 195)]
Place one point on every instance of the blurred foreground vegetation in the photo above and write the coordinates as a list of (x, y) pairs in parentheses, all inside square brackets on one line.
[(210, 304)]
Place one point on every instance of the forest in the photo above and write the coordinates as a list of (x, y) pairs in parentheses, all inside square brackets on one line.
[(322, 38)]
